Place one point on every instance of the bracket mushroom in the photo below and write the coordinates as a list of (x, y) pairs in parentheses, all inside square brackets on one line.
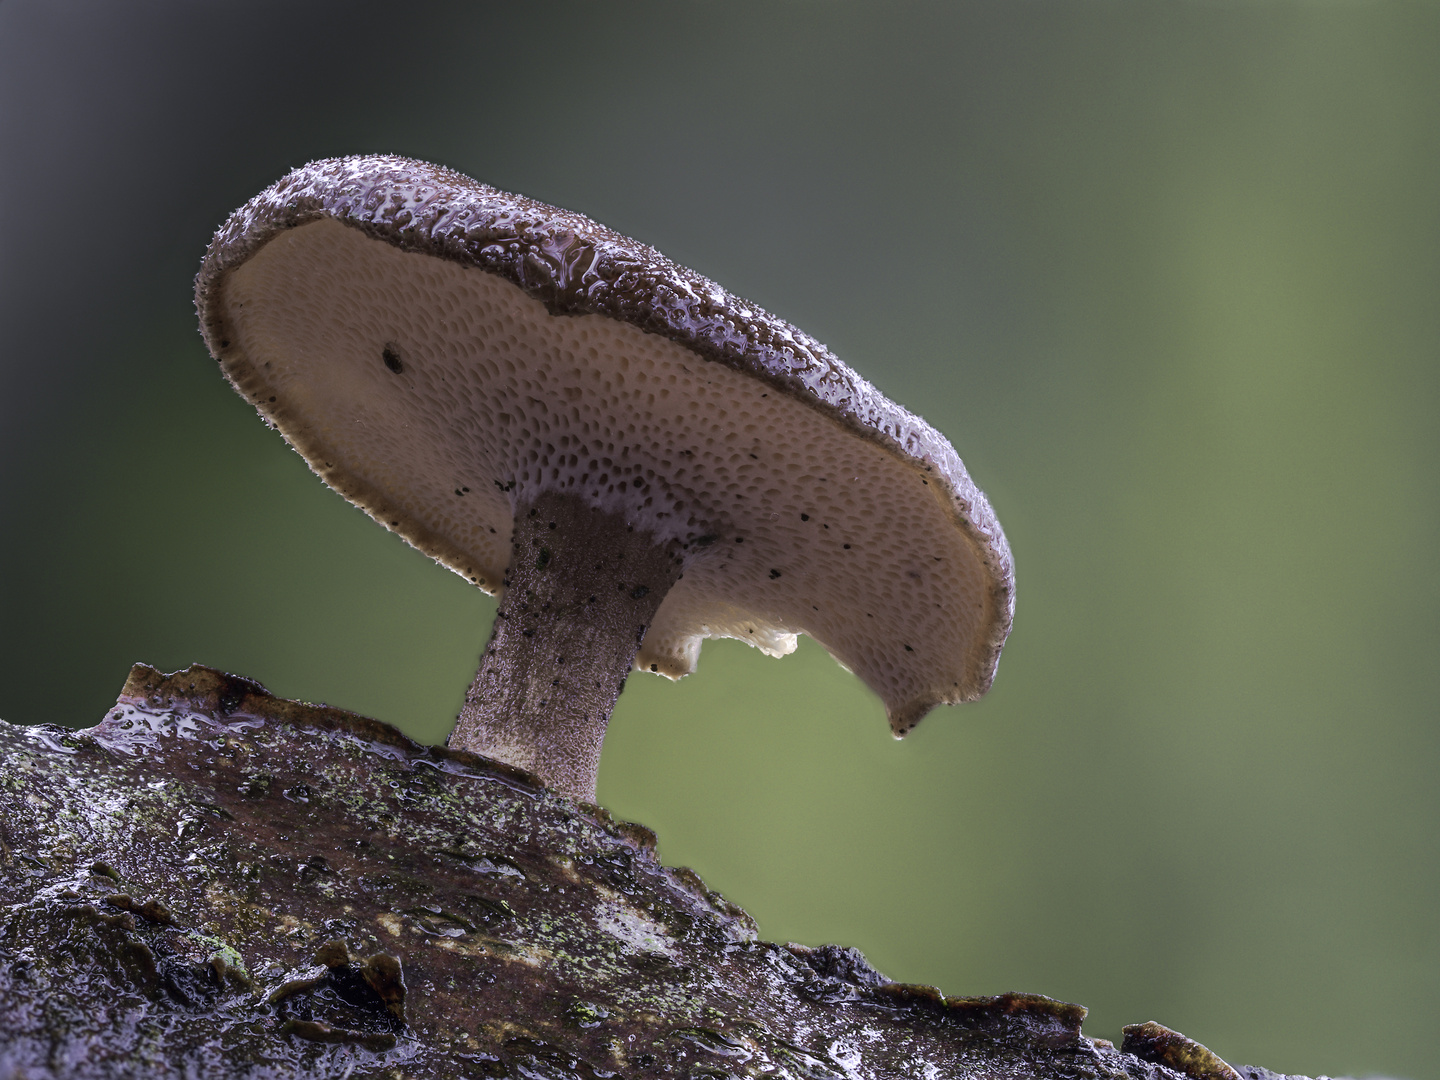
[(632, 457)]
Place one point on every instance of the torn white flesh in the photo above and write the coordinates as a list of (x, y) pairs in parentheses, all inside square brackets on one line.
[(578, 597), (437, 397)]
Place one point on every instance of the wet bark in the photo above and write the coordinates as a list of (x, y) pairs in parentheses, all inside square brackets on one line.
[(581, 591), (217, 883)]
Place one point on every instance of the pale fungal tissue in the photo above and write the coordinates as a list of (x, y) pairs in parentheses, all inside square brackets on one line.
[(633, 458)]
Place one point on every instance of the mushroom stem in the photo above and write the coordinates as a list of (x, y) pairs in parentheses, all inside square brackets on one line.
[(581, 590)]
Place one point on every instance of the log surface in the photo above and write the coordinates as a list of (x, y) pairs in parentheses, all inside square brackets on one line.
[(214, 882)]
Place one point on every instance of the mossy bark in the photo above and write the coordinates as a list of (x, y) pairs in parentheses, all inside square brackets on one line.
[(217, 883)]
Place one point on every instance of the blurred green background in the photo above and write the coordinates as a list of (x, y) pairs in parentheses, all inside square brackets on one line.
[(1168, 275)]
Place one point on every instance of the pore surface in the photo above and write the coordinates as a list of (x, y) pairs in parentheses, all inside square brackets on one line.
[(438, 396)]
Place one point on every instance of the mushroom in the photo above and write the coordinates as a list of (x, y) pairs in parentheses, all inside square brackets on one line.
[(631, 457)]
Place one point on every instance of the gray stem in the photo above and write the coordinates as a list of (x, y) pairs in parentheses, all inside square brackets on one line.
[(580, 593)]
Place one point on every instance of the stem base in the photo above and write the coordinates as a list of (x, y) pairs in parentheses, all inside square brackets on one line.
[(580, 593)]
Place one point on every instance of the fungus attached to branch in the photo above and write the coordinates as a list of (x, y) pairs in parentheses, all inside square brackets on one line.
[(633, 458)]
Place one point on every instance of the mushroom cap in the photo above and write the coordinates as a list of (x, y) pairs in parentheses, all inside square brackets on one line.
[(440, 351)]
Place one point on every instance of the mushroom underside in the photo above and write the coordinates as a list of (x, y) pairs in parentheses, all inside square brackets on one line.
[(447, 403)]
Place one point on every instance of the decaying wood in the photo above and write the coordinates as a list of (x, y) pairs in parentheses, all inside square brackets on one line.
[(218, 883)]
